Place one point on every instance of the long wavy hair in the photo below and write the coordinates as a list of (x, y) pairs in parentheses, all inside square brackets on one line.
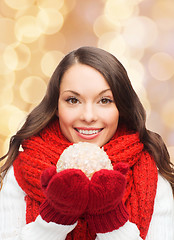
[(131, 111)]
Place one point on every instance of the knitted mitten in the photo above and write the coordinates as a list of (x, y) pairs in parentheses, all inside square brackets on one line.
[(106, 211), (66, 195)]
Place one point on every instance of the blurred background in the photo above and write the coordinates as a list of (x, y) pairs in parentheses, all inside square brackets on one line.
[(36, 34)]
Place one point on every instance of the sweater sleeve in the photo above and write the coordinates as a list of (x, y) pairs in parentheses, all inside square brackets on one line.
[(162, 223), (12, 216)]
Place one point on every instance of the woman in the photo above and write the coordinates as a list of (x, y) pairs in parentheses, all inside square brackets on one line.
[(89, 99)]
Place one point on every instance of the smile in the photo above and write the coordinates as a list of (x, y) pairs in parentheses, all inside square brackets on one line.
[(88, 132)]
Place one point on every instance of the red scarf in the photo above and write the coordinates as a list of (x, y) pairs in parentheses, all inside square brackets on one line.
[(43, 150)]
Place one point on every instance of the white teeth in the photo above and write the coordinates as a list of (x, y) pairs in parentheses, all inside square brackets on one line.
[(88, 132)]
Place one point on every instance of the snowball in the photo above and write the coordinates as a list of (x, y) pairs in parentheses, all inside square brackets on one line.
[(85, 156)]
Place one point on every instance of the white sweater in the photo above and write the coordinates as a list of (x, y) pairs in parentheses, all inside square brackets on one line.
[(14, 227)]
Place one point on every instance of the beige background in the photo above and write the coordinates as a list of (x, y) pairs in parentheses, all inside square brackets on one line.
[(36, 34)]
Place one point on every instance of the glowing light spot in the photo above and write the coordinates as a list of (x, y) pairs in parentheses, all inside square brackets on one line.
[(118, 10), (161, 66), (19, 4), (146, 104), (50, 61), (105, 40), (32, 89), (163, 12), (50, 20), (137, 31), (10, 112), (50, 4), (15, 120), (117, 46), (4, 69), (68, 6), (10, 58), (167, 114), (136, 72), (17, 56), (102, 25), (142, 94), (113, 43), (27, 29)]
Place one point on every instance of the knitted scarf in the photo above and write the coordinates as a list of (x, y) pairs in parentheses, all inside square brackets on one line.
[(43, 150)]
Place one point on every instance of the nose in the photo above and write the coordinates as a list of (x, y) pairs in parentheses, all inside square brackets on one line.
[(88, 113)]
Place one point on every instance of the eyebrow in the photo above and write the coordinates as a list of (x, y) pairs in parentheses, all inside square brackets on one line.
[(76, 93), (71, 91), (105, 91)]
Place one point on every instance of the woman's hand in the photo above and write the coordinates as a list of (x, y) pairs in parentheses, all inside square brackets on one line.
[(67, 195), (105, 210)]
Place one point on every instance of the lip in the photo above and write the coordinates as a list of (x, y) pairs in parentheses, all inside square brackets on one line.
[(88, 136)]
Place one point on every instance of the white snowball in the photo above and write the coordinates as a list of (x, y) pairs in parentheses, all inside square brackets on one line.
[(85, 156)]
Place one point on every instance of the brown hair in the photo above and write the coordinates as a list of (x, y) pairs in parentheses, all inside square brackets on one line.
[(130, 108)]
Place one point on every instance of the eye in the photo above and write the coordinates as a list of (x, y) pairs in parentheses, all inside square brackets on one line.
[(72, 100), (105, 101)]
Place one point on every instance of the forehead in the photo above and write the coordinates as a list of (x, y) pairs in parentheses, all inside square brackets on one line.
[(83, 76)]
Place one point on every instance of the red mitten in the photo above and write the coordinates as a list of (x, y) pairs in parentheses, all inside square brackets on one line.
[(67, 194), (106, 211)]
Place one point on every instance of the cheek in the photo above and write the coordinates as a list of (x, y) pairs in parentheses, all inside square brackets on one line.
[(112, 117), (115, 116), (66, 116), (62, 112), (65, 124), (112, 123)]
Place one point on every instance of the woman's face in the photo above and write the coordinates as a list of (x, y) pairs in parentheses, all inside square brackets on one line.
[(86, 108)]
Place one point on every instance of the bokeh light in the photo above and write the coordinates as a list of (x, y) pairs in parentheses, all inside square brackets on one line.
[(167, 113), (118, 10), (161, 66), (32, 94), (17, 56), (50, 20), (102, 24), (163, 12), (10, 113), (137, 32), (27, 30), (49, 62), (19, 4), (54, 4)]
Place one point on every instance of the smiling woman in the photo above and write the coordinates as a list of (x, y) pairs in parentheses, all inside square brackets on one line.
[(89, 99)]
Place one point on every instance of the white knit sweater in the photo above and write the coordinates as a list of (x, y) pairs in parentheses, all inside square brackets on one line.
[(14, 227)]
